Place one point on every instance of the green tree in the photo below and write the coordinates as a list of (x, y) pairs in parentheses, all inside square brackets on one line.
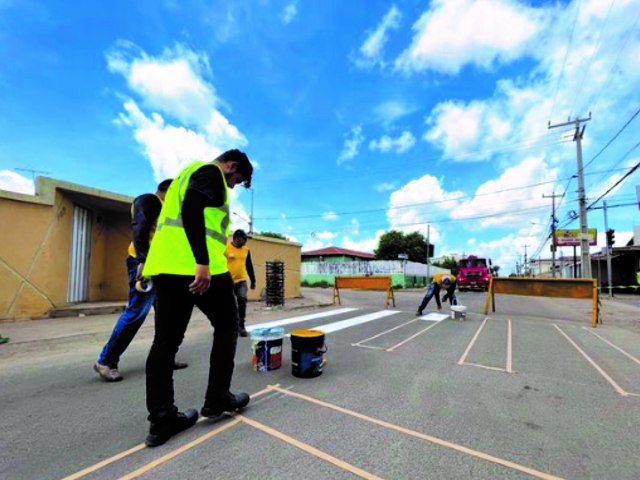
[(273, 235), (448, 263), (393, 243)]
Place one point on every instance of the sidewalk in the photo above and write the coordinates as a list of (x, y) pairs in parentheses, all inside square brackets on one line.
[(52, 329)]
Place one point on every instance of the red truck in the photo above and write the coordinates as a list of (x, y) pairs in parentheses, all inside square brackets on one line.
[(474, 273)]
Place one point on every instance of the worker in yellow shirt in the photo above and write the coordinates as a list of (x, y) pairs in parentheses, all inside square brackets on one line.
[(440, 281), (241, 268)]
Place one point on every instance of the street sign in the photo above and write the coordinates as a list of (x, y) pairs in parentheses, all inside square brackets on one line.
[(571, 238)]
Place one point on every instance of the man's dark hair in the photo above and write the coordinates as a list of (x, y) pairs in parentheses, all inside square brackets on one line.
[(240, 233), (163, 186), (244, 165)]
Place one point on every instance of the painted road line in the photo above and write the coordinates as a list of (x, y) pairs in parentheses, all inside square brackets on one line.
[(473, 340), (384, 333), (509, 348), (614, 346), (372, 347), (302, 318), (391, 349), (308, 448), (425, 437), (488, 367), (617, 387), (434, 317), (351, 322), (165, 458), (137, 448)]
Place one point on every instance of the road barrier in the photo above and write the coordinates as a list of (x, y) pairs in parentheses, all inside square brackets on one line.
[(579, 288), (364, 283)]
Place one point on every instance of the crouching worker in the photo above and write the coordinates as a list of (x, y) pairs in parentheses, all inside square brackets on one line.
[(440, 281)]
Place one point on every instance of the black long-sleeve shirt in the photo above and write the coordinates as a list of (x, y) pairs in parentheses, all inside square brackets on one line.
[(145, 211), (206, 189)]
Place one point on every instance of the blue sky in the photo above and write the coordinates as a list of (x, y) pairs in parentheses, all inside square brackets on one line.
[(361, 116)]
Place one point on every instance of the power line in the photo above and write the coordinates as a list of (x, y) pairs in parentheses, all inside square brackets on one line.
[(564, 61), (613, 138), (413, 205), (595, 50)]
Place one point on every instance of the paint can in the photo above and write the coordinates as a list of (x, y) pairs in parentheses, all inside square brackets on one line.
[(266, 345), (307, 353), (458, 312)]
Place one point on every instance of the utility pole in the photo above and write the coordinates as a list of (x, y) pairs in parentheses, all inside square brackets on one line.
[(251, 216), (524, 267), (606, 229), (428, 245), (553, 230), (585, 257)]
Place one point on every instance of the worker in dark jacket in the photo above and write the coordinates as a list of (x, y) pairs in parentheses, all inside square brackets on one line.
[(144, 214)]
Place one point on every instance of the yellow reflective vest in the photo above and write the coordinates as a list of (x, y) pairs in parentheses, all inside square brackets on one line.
[(170, 250)]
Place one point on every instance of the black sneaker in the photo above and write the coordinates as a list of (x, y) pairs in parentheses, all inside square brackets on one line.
[(160, 432), (230, 403), (418, 313), (179, 365), (243, 332)]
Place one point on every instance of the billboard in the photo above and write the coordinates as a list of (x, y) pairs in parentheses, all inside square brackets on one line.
[(571, 238)]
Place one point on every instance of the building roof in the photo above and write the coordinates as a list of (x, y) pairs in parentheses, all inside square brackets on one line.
[(329, 251)]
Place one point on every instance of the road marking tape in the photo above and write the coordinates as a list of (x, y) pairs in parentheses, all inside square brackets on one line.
[(137, 448), (308, 448), (425, 437), (606, 376), (301, 318)]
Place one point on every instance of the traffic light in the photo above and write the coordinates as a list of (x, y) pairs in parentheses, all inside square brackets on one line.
[(611, 238)]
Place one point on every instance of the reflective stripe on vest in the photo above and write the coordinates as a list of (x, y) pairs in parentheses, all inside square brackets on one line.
[(170, 251)]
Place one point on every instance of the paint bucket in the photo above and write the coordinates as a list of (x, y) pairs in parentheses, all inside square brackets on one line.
[(458, 312), (307, 353), (266, 345)]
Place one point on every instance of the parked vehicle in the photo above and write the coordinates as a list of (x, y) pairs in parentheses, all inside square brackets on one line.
[(474, 273)]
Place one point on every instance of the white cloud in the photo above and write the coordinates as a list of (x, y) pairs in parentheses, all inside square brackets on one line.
[(390, 111), (172, 85), (367, 245), (352, 143), (330, 216), (419, 202), (397, 145), (506, 251), (289, 13), (370, 52), (505, 205), (14, 182), (354, 227), (384, 187), (453, 33)]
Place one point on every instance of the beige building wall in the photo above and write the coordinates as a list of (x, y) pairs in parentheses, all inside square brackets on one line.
[(35, 249), (36, 241), (264, 249)]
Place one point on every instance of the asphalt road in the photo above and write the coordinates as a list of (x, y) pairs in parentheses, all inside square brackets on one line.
[(531, 392)]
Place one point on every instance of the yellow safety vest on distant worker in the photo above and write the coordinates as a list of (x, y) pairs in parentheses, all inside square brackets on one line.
[(170, 251), (132, 249), (237, 261), (438, 277)]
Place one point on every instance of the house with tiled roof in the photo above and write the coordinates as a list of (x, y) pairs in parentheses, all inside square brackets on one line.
[(336, 255)]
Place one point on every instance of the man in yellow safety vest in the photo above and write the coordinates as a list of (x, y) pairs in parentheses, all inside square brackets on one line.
[(188, 267)]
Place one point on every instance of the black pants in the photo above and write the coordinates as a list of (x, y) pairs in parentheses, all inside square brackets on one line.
[(174, 307)]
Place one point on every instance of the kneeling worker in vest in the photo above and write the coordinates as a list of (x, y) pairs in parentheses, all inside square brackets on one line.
[(241, 268), (188, 267)]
